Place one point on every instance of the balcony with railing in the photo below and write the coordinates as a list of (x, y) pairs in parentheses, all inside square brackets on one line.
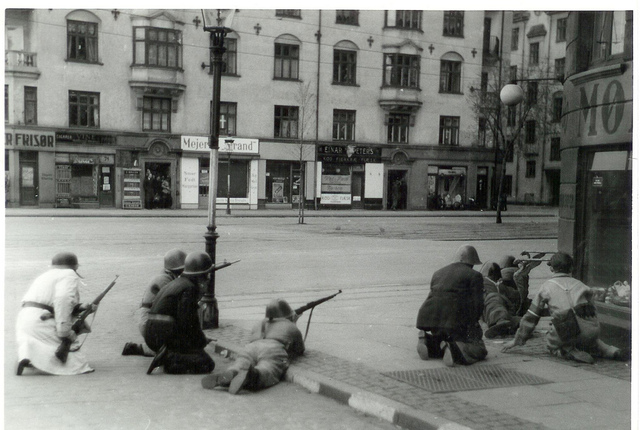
[(21, 63)]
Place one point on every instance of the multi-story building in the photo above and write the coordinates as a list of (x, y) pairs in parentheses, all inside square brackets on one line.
[(342, 103)]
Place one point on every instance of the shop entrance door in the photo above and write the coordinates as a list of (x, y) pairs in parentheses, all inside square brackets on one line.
[(481, 192), (357, 190), (28, 178), (105, 187), (397, 189), (159, 189)]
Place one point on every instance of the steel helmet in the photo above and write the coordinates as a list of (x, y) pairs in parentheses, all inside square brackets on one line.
[(507, 261), (65, 259), (467, 254), (279, 308), (174, 259), (197, 263)]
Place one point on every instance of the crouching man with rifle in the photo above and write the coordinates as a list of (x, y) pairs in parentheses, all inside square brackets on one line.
[(45, 330), (275, 341)]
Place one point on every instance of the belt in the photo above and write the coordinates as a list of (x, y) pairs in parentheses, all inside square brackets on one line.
[(37, 305), (161, 317)]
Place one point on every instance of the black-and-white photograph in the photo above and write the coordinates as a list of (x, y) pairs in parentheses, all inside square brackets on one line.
[(319, 218)]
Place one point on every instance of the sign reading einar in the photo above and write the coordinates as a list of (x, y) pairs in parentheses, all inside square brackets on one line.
[(235, 145)]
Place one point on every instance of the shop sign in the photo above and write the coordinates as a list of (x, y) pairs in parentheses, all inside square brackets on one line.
[(597, 181), (90, 159), (235, 145), (73, 137), (456, 171), (335, 199), (30, 140), (345, 154)]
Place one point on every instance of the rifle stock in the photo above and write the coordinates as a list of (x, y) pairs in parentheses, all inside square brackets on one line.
[(63, 350), (313, 304)]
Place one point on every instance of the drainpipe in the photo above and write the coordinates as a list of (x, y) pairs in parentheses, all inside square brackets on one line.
[(315, 146)]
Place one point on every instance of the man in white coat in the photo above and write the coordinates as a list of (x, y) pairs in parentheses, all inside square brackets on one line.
[(46, 317)]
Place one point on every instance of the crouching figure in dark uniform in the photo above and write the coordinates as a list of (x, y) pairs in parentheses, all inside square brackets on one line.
[(173, 329), (448, 319), (275, 341)]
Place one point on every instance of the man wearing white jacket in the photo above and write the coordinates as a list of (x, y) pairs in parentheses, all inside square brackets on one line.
[(46, 317)]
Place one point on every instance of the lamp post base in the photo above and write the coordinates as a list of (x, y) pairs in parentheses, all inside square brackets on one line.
[(209, 315)]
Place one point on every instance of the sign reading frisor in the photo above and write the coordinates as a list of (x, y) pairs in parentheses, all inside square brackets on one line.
[(29, 140), (348, 154), (235, 145)]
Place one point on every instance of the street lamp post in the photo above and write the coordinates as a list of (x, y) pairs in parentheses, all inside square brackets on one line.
[(510, 95), (210, 314), (229, 143)]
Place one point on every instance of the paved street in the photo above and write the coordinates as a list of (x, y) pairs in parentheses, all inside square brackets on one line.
[(382, 264)]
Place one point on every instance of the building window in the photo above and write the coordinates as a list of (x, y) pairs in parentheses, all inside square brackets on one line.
[(286, 61), (532, 93), (554, 153), (344, 125), (557, 108), (228, 112), (515, 38), (608, 34), (229, 57), (508, 153), (84, 109), (449, 130), (398, 127), (158, 47), (82, 41), (344, 67), (450, 72), (347, 17), (531, 169), (511, 116), (530, 132), (286, 122), (156, 114), (561, 33), (405, 19), (513, 73), (401, 70), (31, 105), (534, 52), (289, 13), (482, 132), (453, 24), (559, 69)]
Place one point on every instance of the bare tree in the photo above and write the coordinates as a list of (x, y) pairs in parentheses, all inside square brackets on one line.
[(305, 99), (506, 123)]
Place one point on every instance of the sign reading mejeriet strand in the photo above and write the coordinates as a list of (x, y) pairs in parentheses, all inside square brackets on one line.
[(235, 145)]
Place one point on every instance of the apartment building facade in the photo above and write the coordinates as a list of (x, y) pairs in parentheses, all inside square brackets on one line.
[(342, 103)]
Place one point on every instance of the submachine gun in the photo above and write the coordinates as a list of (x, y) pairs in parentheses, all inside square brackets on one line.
[(312, 305), (79, 324), (526, 256)]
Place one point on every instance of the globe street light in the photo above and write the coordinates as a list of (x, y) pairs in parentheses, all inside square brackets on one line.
[(209, 303)]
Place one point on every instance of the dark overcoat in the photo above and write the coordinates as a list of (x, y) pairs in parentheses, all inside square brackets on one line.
[(178, 299), (455, 301)]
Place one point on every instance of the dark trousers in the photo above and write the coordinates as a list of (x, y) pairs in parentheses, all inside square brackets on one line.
[(466, 347)]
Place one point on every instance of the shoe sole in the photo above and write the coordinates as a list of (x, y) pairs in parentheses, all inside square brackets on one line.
[(447, 359), (423, 351), (157, 360)]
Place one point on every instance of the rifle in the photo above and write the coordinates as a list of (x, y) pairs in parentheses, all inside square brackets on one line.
[(63, 350), (312, 305), (538, 256), (224, 264)]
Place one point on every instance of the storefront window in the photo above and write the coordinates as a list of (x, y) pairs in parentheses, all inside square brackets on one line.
[(606, 238), (238, 170)]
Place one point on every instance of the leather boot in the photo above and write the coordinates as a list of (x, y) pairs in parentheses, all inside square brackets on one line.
[(158, 359), (131, 348), (21, 365)]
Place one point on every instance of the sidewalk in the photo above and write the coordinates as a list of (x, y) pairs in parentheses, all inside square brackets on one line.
[(513, 211), (526, 389)]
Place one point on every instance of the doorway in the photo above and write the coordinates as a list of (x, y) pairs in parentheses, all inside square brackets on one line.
[(357, 187), (481, 191), (28, 178), (397, 190), (158, 186)]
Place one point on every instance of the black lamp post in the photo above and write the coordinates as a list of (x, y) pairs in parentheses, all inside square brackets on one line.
[(210, 315), (229, 143)]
